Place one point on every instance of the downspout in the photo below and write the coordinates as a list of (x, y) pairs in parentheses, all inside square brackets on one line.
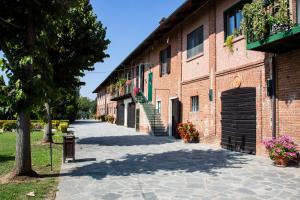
[(273, 97)]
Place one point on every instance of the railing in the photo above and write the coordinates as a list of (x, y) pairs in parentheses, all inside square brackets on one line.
[(264, 18), (126, 89)]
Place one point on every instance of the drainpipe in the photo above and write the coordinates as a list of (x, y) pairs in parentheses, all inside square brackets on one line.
[(273, 97)]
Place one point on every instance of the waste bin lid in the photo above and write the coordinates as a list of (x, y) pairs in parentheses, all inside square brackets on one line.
[(68, 135)]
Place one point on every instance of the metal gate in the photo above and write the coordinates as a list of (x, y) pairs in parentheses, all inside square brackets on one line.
[(239, 120), (131, 115), (120, 114)]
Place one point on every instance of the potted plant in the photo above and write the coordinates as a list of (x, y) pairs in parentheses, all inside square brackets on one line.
[(128, 82), (136, 91), (188, 133), (120, 85), (281, 150)]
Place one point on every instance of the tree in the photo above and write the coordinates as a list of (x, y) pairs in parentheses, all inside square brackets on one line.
[(80, 42), (86, 107), (22, 24)]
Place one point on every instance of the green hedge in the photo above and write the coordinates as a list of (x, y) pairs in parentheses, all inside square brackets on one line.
[(63, 127), (9, 125)]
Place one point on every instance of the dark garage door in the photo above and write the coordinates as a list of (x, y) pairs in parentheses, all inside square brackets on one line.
[(131, 115), (239, 120), (120, 115)]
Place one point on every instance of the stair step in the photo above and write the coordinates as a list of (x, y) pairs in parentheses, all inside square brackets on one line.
[(160, 134)]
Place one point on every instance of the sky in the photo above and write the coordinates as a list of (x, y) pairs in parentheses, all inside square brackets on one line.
[(128, 23)]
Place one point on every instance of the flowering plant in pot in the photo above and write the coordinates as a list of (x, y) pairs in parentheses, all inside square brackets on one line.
[(188, 132), (136, 90), (128, 82), (281, 150)]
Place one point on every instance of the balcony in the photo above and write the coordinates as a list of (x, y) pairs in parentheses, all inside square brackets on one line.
[(270, 27), (122, 92)]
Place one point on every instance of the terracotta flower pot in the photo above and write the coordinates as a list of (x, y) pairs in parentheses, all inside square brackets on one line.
[(128, 82), (281, 162), (185, 140)]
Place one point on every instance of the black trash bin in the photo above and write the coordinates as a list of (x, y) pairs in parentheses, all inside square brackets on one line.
[(69, 147)]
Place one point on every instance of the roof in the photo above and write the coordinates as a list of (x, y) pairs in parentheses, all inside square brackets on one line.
[(188, 7)]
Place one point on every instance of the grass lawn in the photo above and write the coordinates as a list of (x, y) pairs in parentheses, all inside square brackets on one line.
[(42, 187)]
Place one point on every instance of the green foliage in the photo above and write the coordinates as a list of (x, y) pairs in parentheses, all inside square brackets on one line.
[(37, 126), (86, 108), (63, 127), (261, 19), (9, 126), (23, 36), (110, 118), (66, 106), (229, 42), (103, 118), (120, 83)]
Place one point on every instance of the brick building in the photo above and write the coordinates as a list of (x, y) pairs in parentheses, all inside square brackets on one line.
[(186, 71)]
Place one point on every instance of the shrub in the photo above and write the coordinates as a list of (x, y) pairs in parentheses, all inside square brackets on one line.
[(9, 125), (64, 121), (281, 148), (102, 118), (188, 132), (63, 127), (37, 125), (110, 118), (5, 121)]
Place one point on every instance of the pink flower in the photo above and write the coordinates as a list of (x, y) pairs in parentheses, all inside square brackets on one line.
[(136, 90)]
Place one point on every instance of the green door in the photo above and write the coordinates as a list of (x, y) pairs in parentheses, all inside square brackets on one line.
[(150, 77)]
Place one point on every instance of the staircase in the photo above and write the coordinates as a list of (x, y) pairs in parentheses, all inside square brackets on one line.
[(154, 118)]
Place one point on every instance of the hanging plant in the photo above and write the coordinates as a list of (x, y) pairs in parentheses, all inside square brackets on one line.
[(128, 82), (120, 83), (264, 17), (255, 21), (229, 42)]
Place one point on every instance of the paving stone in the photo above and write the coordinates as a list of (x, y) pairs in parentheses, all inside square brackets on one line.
[(133, 166)]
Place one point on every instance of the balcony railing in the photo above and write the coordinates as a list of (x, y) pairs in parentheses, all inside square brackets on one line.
[(270, 27), (122, 92)]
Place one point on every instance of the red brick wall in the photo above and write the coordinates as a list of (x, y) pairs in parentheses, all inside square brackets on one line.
[(167, 86), (200, 118), (288, 94), (250, 76)]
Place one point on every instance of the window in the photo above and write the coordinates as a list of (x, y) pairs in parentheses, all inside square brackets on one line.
[(195, 42), (165, 61), (233, 18), (195, 103), (158, 107)]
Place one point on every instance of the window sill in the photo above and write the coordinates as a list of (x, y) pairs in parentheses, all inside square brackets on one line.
[(194, 112), (195, 57), (235, 40)]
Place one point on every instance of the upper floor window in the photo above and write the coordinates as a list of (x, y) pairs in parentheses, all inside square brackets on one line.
[(233, 18), (194, 103), (165, 61), (195, 42)]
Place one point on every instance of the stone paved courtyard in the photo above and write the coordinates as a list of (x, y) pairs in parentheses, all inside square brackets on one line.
[(114, 162)]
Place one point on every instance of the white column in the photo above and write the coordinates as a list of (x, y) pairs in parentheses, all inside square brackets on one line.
[(126, 102), (125, 114)]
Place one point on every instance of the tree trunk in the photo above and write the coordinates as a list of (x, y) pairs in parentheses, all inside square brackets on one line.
[(48, 125), (23, 148)]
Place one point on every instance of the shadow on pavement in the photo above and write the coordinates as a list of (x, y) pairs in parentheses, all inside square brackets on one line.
[(126, 140), (82, 160), (85, 122), (182, 161)]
